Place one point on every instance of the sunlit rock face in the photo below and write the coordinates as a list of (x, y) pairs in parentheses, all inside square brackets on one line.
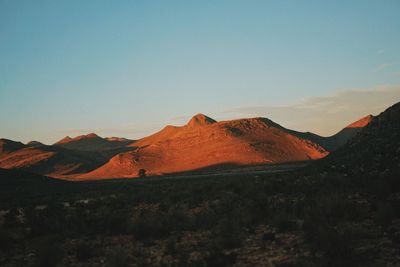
[(204, 142), (201, 143)]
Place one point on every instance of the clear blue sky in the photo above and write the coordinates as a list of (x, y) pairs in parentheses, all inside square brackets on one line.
[(129, 67)]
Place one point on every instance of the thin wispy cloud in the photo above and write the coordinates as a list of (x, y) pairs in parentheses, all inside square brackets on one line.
[(381, 51), (326, 115), (383, 66), (396, 73)]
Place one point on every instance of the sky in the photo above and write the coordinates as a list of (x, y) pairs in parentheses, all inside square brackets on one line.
[(128, 68)]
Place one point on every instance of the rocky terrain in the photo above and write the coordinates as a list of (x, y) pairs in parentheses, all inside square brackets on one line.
[(69, 156), (201, 144), (342, 210), (205, 143)]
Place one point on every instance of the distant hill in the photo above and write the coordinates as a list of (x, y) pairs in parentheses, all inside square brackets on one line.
[(35, 144), (67, 157), (8, 146), (92, 142), (51, 160), (204, 143), (337, 140)]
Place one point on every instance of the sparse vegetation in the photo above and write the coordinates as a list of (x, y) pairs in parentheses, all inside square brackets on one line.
[(342, 211), (205, 222), (142, 173), (48, 252)]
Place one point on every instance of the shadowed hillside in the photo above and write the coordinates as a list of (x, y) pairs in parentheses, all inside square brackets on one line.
[(8, 146), (51, 160), (68, 156), (337, 140), (92, 142), (376, 148)]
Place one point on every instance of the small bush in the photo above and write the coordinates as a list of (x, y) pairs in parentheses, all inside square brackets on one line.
[(219, 259), (148, 226), (227, 234), (83, 251), (206, 219), (6, 241), (170, 247), (384, 214), (268, 237), (142, 173), (11, 218), (336, 242), (119, 257), (283, 221), (49, 253)]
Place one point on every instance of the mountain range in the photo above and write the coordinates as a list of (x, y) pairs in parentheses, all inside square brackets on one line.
[(202, 143)]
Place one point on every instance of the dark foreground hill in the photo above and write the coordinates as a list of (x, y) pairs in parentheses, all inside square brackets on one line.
[(376, 149), (336, 141)]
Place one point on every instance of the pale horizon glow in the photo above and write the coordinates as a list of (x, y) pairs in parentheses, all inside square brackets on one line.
[(332, 114), (128, 68)]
